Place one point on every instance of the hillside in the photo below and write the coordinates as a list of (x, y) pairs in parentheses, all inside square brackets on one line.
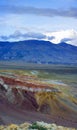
[(35, 51), (24, 96)]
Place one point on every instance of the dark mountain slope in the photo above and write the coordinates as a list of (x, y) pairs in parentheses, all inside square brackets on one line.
[(36, 51)]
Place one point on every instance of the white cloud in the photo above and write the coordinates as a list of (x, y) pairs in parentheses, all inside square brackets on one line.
[(67, 35)]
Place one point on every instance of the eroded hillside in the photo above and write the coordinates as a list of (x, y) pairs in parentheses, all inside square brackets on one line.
[(24, 96)]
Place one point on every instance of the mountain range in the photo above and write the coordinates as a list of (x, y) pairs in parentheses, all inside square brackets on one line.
[(38, 51)]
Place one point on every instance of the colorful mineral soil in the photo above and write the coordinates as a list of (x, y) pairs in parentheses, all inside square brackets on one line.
[(27, 95)]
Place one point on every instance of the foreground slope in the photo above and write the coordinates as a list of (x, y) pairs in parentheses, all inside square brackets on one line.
[(25, 97)]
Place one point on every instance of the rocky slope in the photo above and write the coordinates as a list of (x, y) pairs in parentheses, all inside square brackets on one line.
[(27, 98)]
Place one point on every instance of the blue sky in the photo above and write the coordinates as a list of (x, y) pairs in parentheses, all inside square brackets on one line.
[(24, 18)]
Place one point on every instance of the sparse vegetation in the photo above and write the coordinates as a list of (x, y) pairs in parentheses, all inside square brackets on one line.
[(35, 126)]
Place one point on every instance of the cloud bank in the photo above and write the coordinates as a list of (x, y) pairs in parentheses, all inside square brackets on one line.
[(71, 12), (69, 36), (16, 36)]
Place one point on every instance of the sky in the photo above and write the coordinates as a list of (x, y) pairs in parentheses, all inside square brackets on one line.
[(53, 20)]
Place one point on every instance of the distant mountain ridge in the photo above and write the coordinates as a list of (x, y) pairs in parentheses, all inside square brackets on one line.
[(38, 51)]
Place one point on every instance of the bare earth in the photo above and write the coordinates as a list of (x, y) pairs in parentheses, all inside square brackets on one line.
[(19, 102)]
